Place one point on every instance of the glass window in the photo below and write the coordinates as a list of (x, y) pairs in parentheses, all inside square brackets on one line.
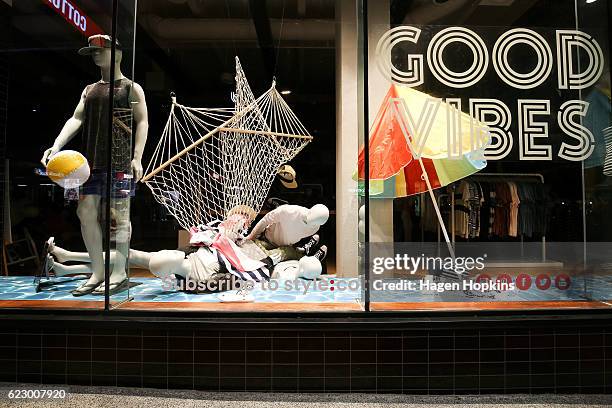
[(231, 172), (487, 181), (242, 124)]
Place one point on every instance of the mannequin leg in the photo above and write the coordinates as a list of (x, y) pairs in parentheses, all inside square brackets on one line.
[(140, 258), (63, 255), (87, 211), (284, 253), (169, 262), (63, 270), (122, 233), (278, 254)]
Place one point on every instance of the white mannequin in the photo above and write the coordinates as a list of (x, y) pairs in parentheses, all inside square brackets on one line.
[(288, 224), (169, 262), (89, 205)]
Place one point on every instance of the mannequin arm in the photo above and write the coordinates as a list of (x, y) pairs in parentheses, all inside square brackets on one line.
[(141, 118), (71, 127), (269, 219)]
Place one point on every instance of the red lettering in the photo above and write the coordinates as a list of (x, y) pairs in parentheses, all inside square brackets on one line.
[(74, 16)]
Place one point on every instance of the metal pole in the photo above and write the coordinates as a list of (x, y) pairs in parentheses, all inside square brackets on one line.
[(363, 7)]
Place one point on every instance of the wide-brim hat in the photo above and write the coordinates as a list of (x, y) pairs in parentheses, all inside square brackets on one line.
[(287, 174), (98, 42)]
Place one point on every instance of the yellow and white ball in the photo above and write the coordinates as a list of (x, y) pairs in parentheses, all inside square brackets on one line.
[(68, 169)]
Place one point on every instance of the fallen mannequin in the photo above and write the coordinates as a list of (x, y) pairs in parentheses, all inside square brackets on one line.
[(202, 268)]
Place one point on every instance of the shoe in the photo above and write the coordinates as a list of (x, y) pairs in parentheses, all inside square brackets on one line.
[(309, 247), (46, 272), (113, 288), (50, 261), (86, 289), (321, 253), (44, 261)]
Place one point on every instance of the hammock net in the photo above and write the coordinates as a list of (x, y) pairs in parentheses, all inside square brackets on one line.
[(211, 163)]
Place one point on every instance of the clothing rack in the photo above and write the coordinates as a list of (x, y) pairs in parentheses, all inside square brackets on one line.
[(494, 176)]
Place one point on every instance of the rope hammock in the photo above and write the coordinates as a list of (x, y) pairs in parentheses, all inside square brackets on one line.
[(214, 162)]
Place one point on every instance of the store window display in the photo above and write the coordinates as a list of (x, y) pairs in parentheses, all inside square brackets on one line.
[(220, 256), (243, 186)]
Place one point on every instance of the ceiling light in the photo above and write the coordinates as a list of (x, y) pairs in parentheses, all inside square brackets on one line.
[(590, 1)]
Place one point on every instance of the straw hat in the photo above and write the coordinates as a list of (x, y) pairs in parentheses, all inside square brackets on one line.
[(286, 173), (244, 210)]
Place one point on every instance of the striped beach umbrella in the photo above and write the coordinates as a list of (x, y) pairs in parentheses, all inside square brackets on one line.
[(409, 148), (396, 170)]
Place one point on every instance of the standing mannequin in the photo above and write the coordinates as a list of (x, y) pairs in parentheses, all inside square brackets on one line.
[(91, 115)]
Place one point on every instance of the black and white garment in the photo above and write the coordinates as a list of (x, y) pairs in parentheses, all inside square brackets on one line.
[(257, 275)]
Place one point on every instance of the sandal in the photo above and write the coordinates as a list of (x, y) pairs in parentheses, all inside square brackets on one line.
[(46, 272), (44, 260), (86, 289), (113, 288)]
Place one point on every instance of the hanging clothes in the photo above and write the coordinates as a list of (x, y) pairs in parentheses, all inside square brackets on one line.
[(514, 210), (461, 209), (487, 210), (503, 198), (475, 201), (530, 223)]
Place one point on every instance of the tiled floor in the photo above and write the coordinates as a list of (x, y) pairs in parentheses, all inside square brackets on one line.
[(150, 290)]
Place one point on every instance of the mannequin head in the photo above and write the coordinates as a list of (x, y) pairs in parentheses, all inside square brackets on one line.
[(102, 57), (317, 215), (100, 48)]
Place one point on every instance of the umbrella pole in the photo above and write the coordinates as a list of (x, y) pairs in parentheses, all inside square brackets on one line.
[(438, 213)]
